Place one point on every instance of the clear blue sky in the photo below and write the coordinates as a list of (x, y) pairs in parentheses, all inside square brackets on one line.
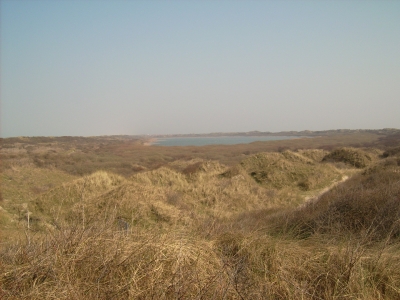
[(157, 67)]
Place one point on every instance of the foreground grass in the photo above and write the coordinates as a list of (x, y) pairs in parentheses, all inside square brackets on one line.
[(99, 262)]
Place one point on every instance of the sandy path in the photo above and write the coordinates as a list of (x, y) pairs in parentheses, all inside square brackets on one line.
[(310, 199)]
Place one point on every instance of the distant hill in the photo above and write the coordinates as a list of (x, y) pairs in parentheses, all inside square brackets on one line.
[(384, 131)]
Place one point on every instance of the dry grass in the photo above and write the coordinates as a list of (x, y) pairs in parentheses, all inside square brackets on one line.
[(161, 197), (352, 156), (290, 169), (367, 204), (100, 262), (394, 151), (126, 155), (197, 228)]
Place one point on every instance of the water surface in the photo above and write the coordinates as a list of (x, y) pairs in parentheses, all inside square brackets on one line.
[(220, 140)]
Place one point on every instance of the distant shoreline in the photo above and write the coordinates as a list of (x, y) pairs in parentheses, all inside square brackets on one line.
[(150, 142), (304, 133), (153, 140), (213, 140)]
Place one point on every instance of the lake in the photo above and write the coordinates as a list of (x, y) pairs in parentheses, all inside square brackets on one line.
[(220, 140)]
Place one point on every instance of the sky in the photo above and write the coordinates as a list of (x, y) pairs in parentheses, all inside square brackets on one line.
[(98, 67)]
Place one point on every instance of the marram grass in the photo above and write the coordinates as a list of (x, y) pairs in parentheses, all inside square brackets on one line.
[(202, 230)]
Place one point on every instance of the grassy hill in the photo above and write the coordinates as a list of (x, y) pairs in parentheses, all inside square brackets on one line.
[(274, 225)]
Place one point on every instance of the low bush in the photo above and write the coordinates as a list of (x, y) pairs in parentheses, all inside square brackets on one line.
[(395, 151)]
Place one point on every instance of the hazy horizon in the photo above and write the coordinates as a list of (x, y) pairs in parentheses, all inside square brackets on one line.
[(213, 134), (88, 68)]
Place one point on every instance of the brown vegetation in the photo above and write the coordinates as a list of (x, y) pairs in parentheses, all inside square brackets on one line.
[(126, 155), (179, 224), (367, 204), (354, 157)]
